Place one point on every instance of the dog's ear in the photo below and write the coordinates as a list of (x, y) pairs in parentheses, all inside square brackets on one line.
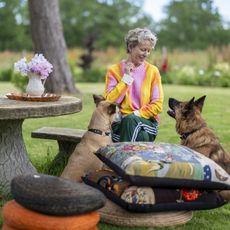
[(97, 99), (190, 104), (200, 102), (111, 109)]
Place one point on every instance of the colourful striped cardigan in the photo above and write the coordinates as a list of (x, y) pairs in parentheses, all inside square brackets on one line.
[(145, 94)]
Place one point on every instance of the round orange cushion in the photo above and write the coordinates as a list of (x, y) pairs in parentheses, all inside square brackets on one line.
[(6, 227), (16, 216)]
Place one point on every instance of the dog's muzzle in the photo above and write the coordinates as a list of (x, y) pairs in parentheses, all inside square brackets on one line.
[(172, 103), (171, 113)]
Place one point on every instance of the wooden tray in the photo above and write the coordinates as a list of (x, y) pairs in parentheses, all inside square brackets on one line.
[(25, 97)]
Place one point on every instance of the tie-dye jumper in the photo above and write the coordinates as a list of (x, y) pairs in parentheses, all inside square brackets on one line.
[(145, 94)]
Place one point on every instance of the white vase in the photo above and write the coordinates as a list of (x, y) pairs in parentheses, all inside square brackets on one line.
[(35, 86)]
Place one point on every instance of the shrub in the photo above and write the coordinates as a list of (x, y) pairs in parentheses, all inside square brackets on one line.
[(19, 81), (224, 80), (216, 75), (221, 72), (203, 78), (91, 75), (94, 74), (75, 70), (6, 74), (186, 75)]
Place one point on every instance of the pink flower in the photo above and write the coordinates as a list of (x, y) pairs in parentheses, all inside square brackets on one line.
[(38, 65)]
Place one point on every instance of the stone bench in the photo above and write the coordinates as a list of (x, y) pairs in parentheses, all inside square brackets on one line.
[(66, 138)]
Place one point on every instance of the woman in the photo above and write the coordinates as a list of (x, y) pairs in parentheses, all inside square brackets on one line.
[(136, 86)]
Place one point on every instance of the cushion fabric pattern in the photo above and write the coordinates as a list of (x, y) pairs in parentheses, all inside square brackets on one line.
[(54, 195), (151, 199), (163, 165)]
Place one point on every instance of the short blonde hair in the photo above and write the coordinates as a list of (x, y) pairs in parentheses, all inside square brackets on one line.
[(138, 35)]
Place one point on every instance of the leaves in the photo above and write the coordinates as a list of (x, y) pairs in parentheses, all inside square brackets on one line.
[(192, 24)]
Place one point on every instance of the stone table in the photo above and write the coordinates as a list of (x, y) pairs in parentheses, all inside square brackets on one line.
[(13, 155)]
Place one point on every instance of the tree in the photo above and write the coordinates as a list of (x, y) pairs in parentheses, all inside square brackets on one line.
[(192, 24), (109, 20), (48, 39), (99, 24), (14, 33)]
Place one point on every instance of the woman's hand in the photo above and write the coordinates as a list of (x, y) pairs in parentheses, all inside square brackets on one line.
[(129, 67)]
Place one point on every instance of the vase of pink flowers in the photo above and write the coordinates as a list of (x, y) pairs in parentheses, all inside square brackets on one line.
[(37, 70)]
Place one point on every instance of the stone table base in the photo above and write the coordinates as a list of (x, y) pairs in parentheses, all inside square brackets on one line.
[(13, 155)]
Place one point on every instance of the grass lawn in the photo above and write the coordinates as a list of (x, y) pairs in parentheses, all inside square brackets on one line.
[(216, 113)]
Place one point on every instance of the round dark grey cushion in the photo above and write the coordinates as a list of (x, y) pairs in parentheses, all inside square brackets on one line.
[(54, 195)]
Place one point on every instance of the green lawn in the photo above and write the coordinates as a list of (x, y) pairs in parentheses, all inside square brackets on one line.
[(216, 112)]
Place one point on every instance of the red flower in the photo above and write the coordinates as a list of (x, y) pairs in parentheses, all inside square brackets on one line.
[(164, 66)]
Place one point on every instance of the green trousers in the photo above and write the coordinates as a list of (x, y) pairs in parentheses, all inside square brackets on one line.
[(133, 128)]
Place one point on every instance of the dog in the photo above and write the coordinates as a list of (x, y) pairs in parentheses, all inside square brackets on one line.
[(83, 160), (195, 134)]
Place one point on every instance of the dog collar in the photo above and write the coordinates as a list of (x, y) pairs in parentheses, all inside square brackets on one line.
[(98, 131), (184, 136)]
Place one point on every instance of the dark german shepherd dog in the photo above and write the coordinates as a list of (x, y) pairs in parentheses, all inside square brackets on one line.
[(196, 135)]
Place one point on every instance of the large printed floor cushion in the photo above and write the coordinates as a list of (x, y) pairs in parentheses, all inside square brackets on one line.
[(163, 165), (111, 213), (17, 217), (54, 195), (151, 199)]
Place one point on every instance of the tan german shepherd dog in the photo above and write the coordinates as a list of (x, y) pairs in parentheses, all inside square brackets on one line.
[(195, 134), (83, 160)]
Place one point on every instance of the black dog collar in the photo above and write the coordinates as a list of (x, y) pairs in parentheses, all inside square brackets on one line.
[(97, 131), (184, 136)]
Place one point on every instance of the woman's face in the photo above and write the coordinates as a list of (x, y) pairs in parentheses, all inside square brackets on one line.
[(139, 53)]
